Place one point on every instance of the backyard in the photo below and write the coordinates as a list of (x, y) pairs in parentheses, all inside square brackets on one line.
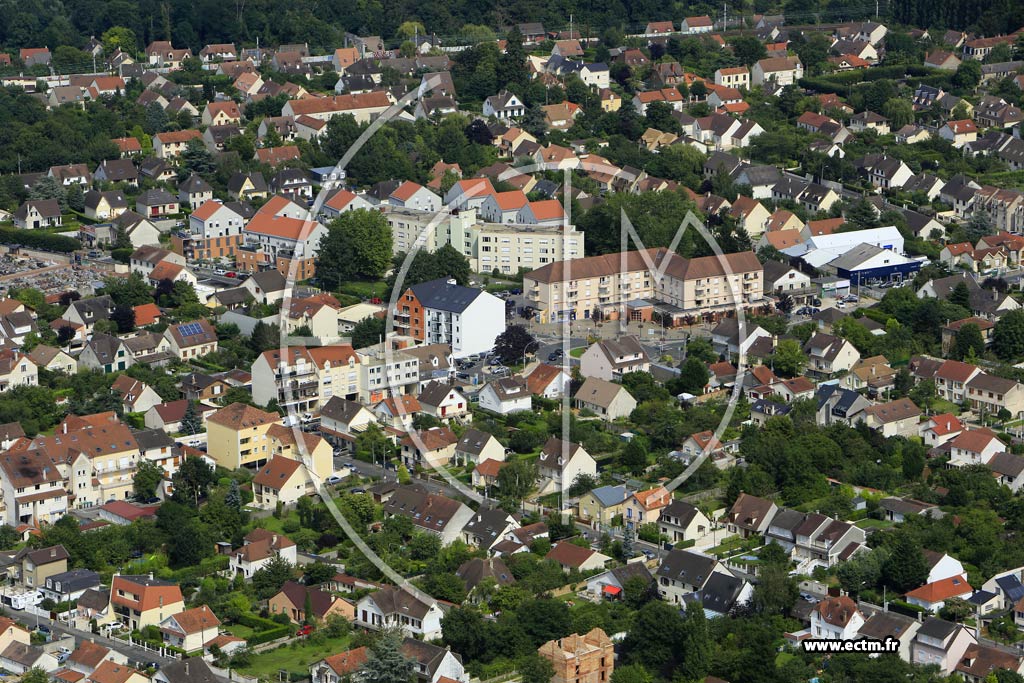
[(295, 657)]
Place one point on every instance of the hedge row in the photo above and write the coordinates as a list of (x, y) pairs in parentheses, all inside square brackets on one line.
[(269, 635), (39, 240), (256, 622)]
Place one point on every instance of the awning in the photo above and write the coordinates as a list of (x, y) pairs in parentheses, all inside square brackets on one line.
[(611, 590)]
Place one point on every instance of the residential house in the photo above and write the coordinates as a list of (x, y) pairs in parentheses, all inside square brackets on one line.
[(139, 601), (679, 522), (415, 614), (295, 598), (258, 548), (560, 463), (570, 556), (190, 629), (611, 359), (836, 618), (605, 399)]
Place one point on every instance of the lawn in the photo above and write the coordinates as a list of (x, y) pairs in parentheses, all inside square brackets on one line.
[(364, 290), (240, 630), (271, 523), (874, 524), (941, 405), (577, 352), (293, 659)]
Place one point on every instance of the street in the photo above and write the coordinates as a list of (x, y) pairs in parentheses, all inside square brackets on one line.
[(135, 654)]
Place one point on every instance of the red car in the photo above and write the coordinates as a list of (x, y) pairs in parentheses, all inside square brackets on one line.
[(231, 274), (304, 631)]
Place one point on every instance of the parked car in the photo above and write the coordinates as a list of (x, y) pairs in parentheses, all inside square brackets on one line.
[(334, 479), (304, 631)]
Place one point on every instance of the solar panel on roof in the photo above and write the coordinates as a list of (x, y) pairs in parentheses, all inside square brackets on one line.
[(190, 329)]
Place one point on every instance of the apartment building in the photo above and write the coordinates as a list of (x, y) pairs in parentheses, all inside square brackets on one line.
[(237, 436), (214, 231), (509, 247), (384, 372), (628, 285), (305, 378), (31, 489), (443, 312)]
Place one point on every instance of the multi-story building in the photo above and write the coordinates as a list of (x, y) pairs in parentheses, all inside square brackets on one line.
[(307, 377), (140, 601), (509, 247), (384, 372), (442, 312), (278, 241), (31, 488), (214, 231), (628, 285), (237, 436), (581, 659)]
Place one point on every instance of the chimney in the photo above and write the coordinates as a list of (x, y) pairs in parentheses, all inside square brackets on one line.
[(151, 576), (53, 552)]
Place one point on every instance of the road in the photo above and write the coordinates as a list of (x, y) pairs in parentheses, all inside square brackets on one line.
[(135, 654), (641, 546)]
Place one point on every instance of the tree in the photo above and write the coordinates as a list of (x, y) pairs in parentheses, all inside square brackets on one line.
[(128, 291), (511, 345), (776, 591), (533, 668), (124, 317), (386, 663), (748, 50), (64, 335), (789, 359), (693, 375), (905, 568), (956, 609), (696, 645), (76, 197), (148, 476), (968, 343), (233, 498), (192, 480), (967, 76), (119, 37), (863, 570), (195, 158), (368, 331), (979, 224), (961, 295), (899, 111), (35, 675), (357, 246), (453, 264), (191, 423), (701, 349), (1008, 335), (517, 479), (583, 484), (49, 188), (267, 581), (632, 673), (634, 455), (655, 639)]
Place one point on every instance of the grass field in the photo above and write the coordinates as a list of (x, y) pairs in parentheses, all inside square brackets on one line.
[(293, 659), (364, 290)]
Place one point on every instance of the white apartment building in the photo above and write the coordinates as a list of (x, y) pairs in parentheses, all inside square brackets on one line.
[(307, 377), (508, 247)]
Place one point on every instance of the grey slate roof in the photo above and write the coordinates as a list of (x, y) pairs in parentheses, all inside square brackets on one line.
[(441, 295)]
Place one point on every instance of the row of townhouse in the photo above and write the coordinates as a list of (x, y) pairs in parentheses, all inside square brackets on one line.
[(633, 285)]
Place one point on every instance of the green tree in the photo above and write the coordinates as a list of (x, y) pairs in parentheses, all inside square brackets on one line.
[(968, 343), (967, 76), (148, 476), (128, 291), (76, 197), (693, 376), (119, 37), (961, 295), (632, 673), (776, 591), (368, 331), (517, 479), (1008, 335), (862, 571), (233, 498), (979, 225), (748, 50), (696, 645), (905, 568), (357, 246), (191, 423), (450, 263), (655, 639), (789, 359), (386, 663), (700, 348), (196, 159), (956, 610), (403, 475), (192, 480), (634, 455), (533, 668), (35, 675), (49, 188), (267, 581), (899, 111)]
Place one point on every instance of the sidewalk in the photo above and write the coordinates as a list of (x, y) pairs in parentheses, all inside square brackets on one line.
[(612, 329)]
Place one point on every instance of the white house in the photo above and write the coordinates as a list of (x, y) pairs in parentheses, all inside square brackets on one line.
[(415, 614), (836, 618), (611, 359), (778, 70), (505, 396)]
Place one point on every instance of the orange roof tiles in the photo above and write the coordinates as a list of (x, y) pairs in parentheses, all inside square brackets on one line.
[(945, 589)]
